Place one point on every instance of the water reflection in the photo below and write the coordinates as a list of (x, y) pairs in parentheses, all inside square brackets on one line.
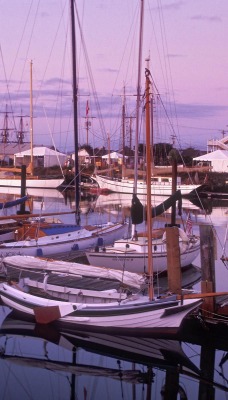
[(44, 361)]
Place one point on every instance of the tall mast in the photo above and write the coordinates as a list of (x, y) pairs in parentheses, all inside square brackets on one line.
[(75, 111), (31, 119), (138, 95), (148, 179), (135, 201), (123, 127)]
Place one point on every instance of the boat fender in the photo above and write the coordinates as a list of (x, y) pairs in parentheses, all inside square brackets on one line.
[(39, 252), (75, 247), (100, 241), (183, 235)]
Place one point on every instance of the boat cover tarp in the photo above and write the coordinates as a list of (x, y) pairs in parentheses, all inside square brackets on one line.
[(13, 203), (73, 268)]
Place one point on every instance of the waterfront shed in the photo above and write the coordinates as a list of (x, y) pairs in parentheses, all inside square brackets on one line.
[(42, 157), (218, 160)]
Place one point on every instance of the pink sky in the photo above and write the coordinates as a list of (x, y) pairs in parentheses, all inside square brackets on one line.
[(187, 43)]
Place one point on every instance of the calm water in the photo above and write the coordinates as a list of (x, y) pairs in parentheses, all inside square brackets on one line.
[(52, 364)]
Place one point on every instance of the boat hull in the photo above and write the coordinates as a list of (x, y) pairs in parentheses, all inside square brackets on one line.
[(162, 188), (64, 243), (32, 183), (137, 262), (131, 317)]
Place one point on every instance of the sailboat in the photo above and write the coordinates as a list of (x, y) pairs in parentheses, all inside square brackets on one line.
[(160, 185), (139, 314), (55, 240), (132, 254)]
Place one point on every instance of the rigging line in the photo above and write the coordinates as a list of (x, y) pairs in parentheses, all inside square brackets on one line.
[(29, 42), (135, 18), (101, 122), (53, 142), (161, 16), (165, 46), (163, 106), (7, 82), (121, 62), (224, 244), (58, 26), (9, 96)]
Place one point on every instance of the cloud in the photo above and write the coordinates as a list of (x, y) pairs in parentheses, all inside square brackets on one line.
[(205, 18), (175, 5), (199, 110), (175, 55)]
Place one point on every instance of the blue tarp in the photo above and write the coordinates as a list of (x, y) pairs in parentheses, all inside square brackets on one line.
[(13, 203)]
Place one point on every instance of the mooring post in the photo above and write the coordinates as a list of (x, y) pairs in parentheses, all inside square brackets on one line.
[(207, 254), (23, 189)]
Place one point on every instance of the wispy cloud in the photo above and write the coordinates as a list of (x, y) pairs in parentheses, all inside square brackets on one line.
[(205, 18), (175, 5), (199, 110), (175, 55)]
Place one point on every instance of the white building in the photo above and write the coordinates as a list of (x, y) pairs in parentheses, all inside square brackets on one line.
[(42, 157), (218, 160), (114, 157), (217, 144)]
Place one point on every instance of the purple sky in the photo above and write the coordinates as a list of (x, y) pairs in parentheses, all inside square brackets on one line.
[(187, 44)]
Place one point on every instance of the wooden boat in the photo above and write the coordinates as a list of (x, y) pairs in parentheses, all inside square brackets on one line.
[(132, 254), (54, 239), (136, 315), (9, 225), (160, 185), (44, 274)]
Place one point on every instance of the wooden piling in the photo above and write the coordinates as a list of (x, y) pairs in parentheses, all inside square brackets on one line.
[(173, 259), (207, 254)]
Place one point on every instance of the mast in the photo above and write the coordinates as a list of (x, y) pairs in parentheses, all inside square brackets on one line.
[(148, 179), (138, 96), (123, 128), (20, 132), (75, 112), (31, 119), (137, 208)]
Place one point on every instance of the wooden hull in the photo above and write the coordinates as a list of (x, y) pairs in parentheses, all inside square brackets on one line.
[(137, 316)]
